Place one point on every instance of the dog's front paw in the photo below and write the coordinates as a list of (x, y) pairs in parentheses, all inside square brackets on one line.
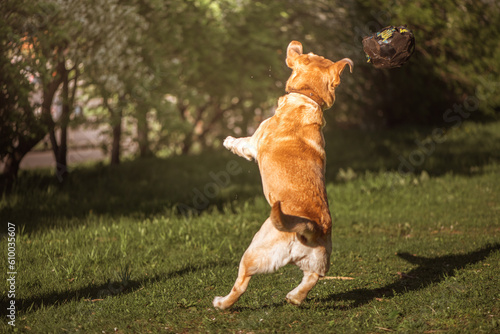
[(219, 303), (241, 147), (229, 142)]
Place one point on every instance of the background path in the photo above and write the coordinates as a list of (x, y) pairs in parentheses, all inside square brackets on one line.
[(83, 145)]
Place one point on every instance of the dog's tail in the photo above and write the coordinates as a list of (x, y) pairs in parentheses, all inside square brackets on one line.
[(305, 228)]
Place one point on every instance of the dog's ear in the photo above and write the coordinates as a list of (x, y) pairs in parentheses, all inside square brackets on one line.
[(337, 68), (292, 52)]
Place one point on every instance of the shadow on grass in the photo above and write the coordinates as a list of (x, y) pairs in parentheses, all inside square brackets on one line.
[(429, 271), (94, 293)]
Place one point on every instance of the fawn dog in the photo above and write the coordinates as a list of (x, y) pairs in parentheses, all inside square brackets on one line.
[(289, 149)]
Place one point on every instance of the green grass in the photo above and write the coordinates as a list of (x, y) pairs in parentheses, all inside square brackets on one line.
[(113, 250)]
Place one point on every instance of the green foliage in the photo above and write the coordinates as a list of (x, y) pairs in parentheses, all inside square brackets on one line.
[(214, 78), (16, 113), (459, 42), (456, 60)]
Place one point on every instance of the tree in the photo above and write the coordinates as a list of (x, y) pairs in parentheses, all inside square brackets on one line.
[(110, 51), (22, 129), (189, 72), (221, 68), (53, 42)]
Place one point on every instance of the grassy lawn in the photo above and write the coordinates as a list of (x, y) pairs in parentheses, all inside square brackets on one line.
[(145, 246)]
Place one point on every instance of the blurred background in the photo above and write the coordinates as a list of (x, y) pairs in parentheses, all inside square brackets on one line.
[(130, 215), (113, 80)]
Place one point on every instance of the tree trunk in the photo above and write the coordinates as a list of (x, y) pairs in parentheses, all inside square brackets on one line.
[(46, 117), (26, 143), (60, 149), (61, 158), (10, 171), (142, 133), (190, 138), (187, 143), (13, 160), (116, 123), (116, 115)]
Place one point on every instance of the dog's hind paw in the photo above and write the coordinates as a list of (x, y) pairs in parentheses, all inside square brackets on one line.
[(218, 303)]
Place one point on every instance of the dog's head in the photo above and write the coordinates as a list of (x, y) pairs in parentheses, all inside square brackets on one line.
[(314, 75)]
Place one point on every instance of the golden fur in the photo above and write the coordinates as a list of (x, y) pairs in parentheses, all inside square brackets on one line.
[(289, 148)]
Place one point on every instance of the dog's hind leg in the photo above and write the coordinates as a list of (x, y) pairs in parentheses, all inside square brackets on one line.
[(238, 289), (297, 295), (256, 260), (267, 252)]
